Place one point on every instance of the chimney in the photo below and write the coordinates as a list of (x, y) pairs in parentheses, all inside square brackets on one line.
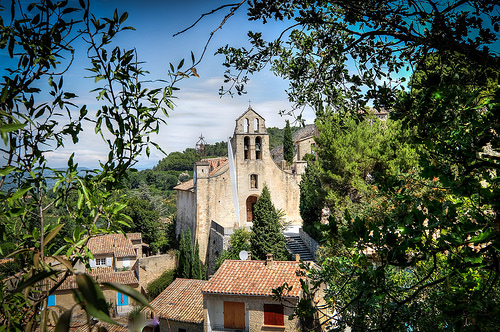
[(269, 259), (297, 257), (249, 258)]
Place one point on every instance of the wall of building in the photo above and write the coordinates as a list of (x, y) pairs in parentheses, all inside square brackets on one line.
[(64, 299), (152, 267), (214, 202), (186, 211), (213, 311)]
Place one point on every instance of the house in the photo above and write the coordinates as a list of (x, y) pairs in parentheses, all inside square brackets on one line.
[(239, 296), (223, 191), (115, 257), (115, 250), (120, 304), (179, 308)]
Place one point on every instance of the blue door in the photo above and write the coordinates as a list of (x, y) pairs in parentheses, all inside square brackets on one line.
[(51, 301), (122, 299)]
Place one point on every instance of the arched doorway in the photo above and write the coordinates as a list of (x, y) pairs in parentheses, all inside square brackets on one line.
[(251, 200)]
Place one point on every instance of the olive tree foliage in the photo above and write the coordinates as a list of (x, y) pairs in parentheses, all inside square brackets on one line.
[(425, 257), (38, 116)]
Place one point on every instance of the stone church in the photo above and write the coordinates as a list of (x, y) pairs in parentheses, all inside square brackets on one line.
[(221, 195)]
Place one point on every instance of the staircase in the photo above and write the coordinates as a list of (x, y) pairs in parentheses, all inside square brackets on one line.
[(295, 245)]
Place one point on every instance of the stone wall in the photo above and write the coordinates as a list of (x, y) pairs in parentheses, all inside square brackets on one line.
[(310, 243), (213, 312), (152, 267)]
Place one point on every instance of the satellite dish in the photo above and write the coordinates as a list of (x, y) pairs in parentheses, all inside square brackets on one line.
[(243, 255)]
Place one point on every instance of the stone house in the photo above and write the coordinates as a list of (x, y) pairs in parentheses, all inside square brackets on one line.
[(120, 304), (179, 308), (223, 191), (239, 296), (115, 258)]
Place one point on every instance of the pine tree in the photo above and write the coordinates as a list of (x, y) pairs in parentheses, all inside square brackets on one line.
[(267, 237), (288, 143)]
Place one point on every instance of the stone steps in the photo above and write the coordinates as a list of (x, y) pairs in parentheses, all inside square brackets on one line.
[(295, 245)]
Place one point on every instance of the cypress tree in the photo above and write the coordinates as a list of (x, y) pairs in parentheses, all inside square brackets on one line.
[(181, 259), (267, 237), (197, 273), (288, 143), (187, 271)]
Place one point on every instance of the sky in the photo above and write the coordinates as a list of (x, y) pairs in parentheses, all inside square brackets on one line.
[(199, 108)]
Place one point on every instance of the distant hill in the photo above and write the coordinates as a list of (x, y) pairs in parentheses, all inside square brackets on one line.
[(9, 183)]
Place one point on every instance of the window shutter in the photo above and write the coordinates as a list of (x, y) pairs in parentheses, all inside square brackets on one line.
[(92, 263), (273, 315), (109, 261)]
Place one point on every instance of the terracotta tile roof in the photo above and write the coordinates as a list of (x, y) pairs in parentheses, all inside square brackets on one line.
[(103, 275), (116, 244), (181, 301), (254, 278), (187, 186), (215, 164), (79, 325)]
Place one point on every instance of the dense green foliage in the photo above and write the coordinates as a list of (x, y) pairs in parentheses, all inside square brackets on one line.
[(311, 200), (267, 237), (158, 285), (239, 241), (276, 136), (39, 116), (288, 144), (423, 254)]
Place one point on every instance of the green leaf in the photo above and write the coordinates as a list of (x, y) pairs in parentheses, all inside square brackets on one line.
[(52, 234), (95, 302), (64, 321), (6, 170), (127, 290), (8, 128)]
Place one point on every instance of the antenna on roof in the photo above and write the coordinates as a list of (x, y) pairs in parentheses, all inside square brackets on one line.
[(243, 255)]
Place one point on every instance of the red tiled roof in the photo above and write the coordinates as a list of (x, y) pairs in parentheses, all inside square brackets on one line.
[(116, 244), (187, 186), (254, 278), (103, 275), (181, 301), (215, 164), (78, 325)]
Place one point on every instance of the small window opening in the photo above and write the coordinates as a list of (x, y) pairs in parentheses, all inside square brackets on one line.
[(256, 125), (258, 148), (246, 125), (246, 147)]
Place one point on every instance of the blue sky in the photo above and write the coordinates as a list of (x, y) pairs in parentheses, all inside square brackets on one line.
[(199, 109)]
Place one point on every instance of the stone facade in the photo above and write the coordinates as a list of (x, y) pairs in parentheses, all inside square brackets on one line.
[(209, 196), (254, 313)]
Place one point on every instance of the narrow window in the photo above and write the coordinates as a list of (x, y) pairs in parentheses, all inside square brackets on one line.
[(273, 315), (246, 147), (246, 124), (258, 148), (253, 181), (256, 125)]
